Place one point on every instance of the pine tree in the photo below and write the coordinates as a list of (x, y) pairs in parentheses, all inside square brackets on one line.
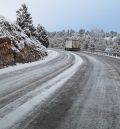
[(86, 46), (41, 35), (92, 47), (24, 20)]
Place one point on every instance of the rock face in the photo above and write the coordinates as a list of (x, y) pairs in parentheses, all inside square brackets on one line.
[(16, 46), (6, 53)]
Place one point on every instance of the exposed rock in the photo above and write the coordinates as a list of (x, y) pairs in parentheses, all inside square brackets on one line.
[(6, 53)]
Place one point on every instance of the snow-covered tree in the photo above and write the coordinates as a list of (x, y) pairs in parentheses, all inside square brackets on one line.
[(68, 32), (118, 39), (112, 34), (92, 47), (41, 35), (81, 32), (86, 46), (24, 20)]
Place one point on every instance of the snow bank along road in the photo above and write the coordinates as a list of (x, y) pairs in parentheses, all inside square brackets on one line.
[(63, 93)]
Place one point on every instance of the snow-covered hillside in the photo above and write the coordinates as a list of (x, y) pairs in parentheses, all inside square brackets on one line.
[(16, 46)]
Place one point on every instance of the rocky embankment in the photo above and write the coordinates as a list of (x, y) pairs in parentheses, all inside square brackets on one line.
[(16, 46)]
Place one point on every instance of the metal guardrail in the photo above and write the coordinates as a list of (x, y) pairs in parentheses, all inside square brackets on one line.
[(115, 54)]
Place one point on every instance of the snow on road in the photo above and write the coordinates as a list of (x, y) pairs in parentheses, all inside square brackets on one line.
[(48, 89), (51, 55)]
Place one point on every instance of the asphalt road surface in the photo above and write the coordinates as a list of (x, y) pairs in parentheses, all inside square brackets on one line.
[(90, 99)]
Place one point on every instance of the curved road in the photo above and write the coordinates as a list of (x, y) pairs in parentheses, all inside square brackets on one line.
[(90, 99)]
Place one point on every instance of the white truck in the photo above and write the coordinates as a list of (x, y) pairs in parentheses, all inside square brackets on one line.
[(72, 45)]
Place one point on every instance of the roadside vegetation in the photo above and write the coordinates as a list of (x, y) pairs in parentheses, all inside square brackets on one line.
[(21, 42), (94, 40)]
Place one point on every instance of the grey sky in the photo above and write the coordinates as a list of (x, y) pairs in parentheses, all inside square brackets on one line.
[(66, 14)]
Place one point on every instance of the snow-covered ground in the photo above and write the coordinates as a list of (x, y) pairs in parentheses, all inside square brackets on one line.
[(51, 55), (38, 95)]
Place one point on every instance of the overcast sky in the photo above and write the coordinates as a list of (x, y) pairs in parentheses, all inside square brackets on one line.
[(56, 15)]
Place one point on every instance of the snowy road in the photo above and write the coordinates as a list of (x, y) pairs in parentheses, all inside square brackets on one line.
[(62, 93), (24, 89)]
